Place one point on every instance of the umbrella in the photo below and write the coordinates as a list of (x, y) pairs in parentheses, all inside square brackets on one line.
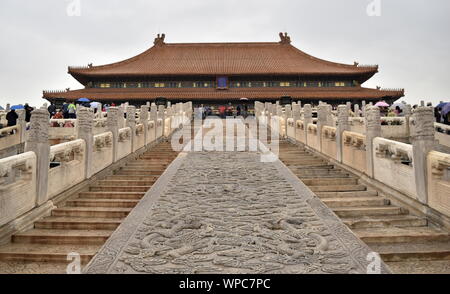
[(244, 99), (83, 100), (441, 104), (401, 105), (382, 104), (95, 105), (1, 108), (445, 109), (17, 107)]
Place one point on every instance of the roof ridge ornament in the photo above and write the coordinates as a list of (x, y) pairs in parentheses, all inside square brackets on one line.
[(285, 39), (159, 40)]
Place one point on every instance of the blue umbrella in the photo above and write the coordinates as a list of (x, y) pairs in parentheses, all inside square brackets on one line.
[(1, 108), (84, 100), (441, 104), (17, 107), (446, 109)]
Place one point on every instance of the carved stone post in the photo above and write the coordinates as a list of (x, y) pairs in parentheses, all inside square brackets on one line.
[(363, 108), (154, 118), (8, 107), (112, 121), (322, 120), (373, 130), (407, 111), (121, 117), (307, 119), (162, 115), (85, 125), (143, 119), (22, 124), (349, 106), (38, 143), (357, 110), (131, 123), (343, 126), (423, 141)]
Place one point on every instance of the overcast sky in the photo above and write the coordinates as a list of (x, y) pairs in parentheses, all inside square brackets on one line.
[(410, 39)]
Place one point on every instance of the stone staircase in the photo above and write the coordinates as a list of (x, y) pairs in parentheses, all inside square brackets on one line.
[(84, 222), (406, 242)]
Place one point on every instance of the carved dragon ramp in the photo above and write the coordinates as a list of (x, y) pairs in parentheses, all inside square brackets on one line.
[(227, 212)]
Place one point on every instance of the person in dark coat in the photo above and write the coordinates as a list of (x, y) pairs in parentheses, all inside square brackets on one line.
[(51, 110), (28, 110), (12, 117)]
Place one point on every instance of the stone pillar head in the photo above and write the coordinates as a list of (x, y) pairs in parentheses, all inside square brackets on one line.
[(131, 115), (8, 107), (144, 114), (373, 121), (407, 110), (39, 126), (322, 113), (112, 120), (342, 113), (307, 111), (357, 110), (85, 120), (153, 112), (423, 122), (363, 108)]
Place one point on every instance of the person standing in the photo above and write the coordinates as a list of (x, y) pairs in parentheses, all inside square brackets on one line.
[(12, 117), (65, 110), (437, 114), (51, 110), (28, 110), (72, 110)]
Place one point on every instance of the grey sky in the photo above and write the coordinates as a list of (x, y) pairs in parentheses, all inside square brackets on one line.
[(410, 40)]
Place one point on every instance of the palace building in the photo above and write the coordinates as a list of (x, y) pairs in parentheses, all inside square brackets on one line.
[(221, 73)]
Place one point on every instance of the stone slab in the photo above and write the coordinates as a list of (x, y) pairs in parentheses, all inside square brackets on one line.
[(228, 213)]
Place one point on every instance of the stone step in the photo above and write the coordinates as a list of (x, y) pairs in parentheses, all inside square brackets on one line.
[(369, 211), (384, 221), (355, 202), (111, 203), (401, 235), (45, 252), (138, 173), (112, 195), (301, 163), (394, 252), (321, 174), (330, 181), (62, 237), (129, 188), (420, 267), (145, 170), (132, 178), (92, 212), (338, 188), (78, 223), (121, 183), (324, 195), (143, 165), (310, 167)]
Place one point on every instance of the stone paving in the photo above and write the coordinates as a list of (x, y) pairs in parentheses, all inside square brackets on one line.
[(226, 212)]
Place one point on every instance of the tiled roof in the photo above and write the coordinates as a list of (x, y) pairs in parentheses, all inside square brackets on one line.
[(231, 94), (223, 59)]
